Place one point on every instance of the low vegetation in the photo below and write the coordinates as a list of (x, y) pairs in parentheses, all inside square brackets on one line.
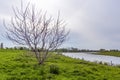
[(109, 53), (21, 65)]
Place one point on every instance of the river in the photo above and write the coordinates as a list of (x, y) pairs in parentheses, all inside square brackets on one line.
[(95, 58)]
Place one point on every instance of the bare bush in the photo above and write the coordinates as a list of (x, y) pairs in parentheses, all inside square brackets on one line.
[(36, 30)]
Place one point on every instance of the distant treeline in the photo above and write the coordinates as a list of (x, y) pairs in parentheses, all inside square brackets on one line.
[(84, 50), (17, 48), (67, 49), (75, 50)]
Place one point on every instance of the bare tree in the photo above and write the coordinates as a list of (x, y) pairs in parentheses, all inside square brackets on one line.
[(36, 30)]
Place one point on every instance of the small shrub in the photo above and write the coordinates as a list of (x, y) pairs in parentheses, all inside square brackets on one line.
[(54, 69), (100, 62), (118, 66), (106, 63)]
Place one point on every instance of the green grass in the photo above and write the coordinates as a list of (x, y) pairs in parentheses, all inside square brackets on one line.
[(110, 53), (19, 65)]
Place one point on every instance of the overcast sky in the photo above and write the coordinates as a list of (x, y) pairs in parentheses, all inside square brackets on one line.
[(94, 24)]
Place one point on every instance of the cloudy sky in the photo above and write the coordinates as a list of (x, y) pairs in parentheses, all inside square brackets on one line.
[(94, 24)]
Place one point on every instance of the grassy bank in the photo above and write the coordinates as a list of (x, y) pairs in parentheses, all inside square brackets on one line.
[(19, 65), (109, 53)]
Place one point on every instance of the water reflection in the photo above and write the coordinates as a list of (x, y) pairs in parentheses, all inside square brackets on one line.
[(95, 58)]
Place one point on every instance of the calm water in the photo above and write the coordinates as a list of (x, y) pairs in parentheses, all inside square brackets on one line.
[(93, 58)]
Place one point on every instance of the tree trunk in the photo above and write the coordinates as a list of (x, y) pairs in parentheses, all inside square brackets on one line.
[(40, 62), (43, 59)]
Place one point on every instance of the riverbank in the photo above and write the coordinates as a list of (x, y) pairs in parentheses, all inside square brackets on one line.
[(19, 65), (109, 53)]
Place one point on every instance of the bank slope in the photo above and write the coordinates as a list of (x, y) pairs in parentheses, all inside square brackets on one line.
[(21, 65)]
